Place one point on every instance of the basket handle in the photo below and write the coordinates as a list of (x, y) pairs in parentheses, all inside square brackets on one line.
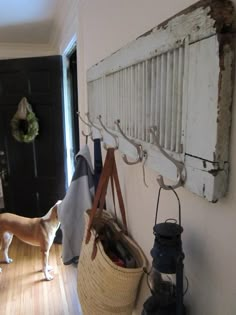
[(109, 171)]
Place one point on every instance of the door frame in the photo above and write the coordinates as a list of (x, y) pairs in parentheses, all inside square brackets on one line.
[(70, 110)]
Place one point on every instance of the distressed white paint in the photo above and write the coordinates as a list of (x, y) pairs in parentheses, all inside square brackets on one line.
[(158, 41), (209, 117), (203, 98), (161, 79), (142, 95), (162, 90), (224, 110), (206, 178)]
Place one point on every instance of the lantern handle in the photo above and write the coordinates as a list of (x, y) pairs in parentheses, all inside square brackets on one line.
[(158, 201)]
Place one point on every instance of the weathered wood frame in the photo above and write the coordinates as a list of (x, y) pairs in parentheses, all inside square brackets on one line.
[(204, 30)]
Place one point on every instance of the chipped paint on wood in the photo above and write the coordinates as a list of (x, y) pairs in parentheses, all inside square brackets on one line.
[(178, 77), (204, 71), (199, 21), (225, 97)]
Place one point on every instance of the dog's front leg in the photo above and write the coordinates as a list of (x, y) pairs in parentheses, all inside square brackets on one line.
[(6, 242), (45, 254)]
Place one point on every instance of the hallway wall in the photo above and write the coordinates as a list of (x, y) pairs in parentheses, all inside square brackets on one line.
[(209, 229)]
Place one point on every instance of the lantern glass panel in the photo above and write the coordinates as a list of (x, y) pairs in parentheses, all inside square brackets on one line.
[(162, 285)]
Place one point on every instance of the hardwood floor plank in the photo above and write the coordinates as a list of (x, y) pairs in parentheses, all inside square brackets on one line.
[(23, 290)]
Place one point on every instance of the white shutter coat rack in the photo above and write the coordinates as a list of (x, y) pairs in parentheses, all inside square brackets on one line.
[(178, 79)]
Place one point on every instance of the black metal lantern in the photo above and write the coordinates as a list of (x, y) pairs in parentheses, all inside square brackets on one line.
[(166, 276)]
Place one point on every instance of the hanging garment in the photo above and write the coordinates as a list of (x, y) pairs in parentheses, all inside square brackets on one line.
[(78, 199), (97, 161)]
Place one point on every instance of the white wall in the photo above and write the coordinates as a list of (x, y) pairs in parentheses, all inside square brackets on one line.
[(64, 30), (209, 229)]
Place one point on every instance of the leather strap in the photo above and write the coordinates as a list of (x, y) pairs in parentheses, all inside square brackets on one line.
[(120, 198), (102, 184), (109, 171), (113, 196)]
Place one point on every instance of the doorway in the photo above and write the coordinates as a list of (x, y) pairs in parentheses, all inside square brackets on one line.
[(71, 110)]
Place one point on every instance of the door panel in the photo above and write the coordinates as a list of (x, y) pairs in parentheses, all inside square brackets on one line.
[(35, 171)]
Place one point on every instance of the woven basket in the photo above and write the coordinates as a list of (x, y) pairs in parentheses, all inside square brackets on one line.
[(103, 287)]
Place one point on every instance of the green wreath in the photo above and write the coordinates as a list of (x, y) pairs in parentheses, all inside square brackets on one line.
[(25, 130)]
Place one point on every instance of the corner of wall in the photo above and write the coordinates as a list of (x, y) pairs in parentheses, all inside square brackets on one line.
[(65, 26)]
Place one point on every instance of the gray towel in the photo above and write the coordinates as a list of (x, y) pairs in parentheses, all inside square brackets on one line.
[(78, 199)]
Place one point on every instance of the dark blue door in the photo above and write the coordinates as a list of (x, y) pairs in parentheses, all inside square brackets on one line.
[(34, 172)]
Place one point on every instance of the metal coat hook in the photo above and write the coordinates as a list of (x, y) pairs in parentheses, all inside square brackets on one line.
[(145, 155), (94, 126), (178, 165), (137, 146), (86, 136), (109, 132), (90, 131), (85, 122)]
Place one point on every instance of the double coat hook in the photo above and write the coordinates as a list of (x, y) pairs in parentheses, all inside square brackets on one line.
[(90, 128), (179, 165), (142, 155), (109, 132), (94, 126), (138, 147)]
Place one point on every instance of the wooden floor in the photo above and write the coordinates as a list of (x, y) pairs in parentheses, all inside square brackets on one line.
[(23, 290)]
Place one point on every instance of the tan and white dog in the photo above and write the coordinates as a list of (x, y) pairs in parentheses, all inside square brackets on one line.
[(37, 232)]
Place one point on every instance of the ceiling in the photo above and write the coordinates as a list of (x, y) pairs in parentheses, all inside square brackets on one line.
[(27, 21)]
